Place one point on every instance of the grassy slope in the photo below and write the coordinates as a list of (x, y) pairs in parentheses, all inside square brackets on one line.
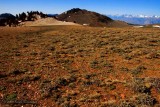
[(80, 66)]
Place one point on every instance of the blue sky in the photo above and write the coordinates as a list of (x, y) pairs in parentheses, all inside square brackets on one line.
[(133, 7)]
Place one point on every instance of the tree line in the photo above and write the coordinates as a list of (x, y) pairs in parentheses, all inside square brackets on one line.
[(22, 17), (30, 16)]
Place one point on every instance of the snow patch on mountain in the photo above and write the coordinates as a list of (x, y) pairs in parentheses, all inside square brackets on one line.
[(137, 19)]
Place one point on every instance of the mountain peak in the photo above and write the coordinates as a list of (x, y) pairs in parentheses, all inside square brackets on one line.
[(82, 16), (75, 10)]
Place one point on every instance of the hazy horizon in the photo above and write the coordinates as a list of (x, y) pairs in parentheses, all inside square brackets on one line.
[(112, 7)]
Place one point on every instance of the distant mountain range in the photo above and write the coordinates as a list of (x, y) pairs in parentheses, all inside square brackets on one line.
[(137, 19), (52, 15)]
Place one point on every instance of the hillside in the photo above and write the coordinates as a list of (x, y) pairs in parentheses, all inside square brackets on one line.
[(46, 22), (6, 18), (85, 17), (74, 16)]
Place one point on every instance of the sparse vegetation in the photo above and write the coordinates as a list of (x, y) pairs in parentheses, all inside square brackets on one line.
[(144, 99), (74, 66), (11, 97)]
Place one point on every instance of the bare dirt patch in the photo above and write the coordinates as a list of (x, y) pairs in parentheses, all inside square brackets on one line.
[(47, 22)]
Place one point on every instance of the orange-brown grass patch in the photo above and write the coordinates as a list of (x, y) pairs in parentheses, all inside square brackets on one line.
[(79, 66)]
